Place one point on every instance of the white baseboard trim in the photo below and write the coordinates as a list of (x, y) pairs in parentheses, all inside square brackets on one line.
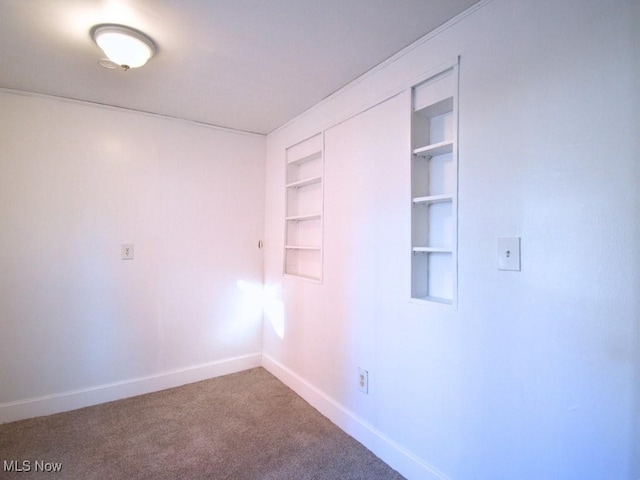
[(392, 453), (62, 402)]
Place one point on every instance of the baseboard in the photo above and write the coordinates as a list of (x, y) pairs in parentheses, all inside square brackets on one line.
[(62, 402), (395, 455)]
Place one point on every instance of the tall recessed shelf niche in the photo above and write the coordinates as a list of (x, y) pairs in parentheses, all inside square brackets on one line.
[(434, 188), (304, 208)]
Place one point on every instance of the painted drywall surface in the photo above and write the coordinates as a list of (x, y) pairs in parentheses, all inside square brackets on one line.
[(535, 375), (77, 181)]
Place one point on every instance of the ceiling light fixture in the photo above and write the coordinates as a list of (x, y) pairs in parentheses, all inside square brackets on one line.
[(124, 46)]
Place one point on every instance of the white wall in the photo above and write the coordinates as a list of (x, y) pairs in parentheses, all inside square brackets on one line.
[(537, 373), (78, 324)]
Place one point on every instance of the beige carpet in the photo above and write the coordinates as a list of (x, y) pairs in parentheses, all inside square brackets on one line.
[(246, 425)]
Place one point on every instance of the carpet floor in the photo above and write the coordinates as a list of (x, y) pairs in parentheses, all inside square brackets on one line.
[(246, 425)]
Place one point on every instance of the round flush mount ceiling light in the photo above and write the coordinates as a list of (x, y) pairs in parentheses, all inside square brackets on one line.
[(124, 46)]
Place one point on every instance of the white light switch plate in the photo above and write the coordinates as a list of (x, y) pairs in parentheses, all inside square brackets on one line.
[(509, 253)]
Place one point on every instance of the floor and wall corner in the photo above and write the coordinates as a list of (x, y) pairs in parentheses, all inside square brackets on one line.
[(531, 374)]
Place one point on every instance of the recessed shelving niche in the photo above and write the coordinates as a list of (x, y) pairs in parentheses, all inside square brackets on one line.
[(304, 209), (434, 188)]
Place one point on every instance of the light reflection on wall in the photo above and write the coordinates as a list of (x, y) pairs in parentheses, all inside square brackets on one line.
[(267, 298)]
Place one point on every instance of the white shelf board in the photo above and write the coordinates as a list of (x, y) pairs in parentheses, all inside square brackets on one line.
[(433, 105), (302, 247), (309, 278), (301, 218), (433, 199), (307, 158), (304, 182), (431, 250), (444, 301), (434, 149)]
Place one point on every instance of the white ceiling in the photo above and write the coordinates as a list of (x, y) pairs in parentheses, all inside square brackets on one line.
[(250, 65)]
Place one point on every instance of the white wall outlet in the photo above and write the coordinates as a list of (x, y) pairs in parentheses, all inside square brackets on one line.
[(363, 380), (126, 251), (509, 253)]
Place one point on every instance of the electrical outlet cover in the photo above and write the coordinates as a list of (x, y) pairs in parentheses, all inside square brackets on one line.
[(126, 251), (363, 380)]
